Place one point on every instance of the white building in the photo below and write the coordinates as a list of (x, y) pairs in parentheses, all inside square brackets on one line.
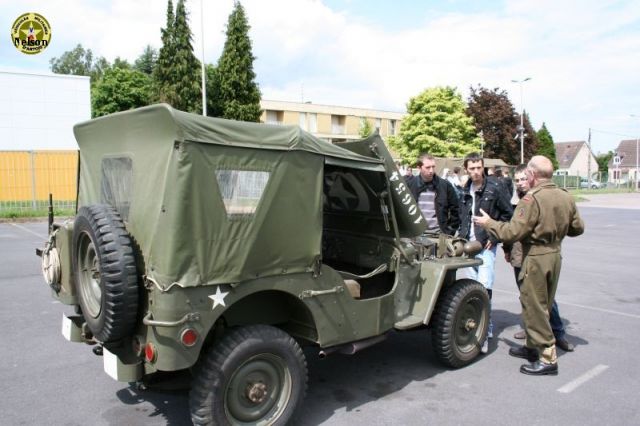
[(575, 159), (38, 111)]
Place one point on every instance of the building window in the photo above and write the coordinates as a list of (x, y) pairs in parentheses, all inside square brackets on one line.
[(337, 124), (617, 174), (392, 127), (302, 120), (313, 122), (275, 117)]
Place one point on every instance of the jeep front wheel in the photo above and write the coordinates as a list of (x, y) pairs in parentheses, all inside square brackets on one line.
[(254, 375), (105, 273), (460, 323)]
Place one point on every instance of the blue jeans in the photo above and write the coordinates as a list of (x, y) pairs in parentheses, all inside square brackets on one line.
[(485, 274), (554, 314)]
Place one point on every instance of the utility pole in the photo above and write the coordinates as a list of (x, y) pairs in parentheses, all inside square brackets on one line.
[(204, 86), (589, 161)]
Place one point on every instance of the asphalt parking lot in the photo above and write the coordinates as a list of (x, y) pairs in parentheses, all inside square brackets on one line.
[(48, 381)]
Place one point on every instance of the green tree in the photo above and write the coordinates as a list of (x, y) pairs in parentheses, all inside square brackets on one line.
[(177, 71), (120, 89), (603, 162), (546, 146), (239, 93), (365, 127), (437, 124), (147, 60), (186, 67), (163, 80), (79, 61), (214, 106)]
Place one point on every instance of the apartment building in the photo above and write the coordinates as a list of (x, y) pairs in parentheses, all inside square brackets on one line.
[(332, 123)]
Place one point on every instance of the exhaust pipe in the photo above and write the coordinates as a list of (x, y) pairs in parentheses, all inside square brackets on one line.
[(353, 347)]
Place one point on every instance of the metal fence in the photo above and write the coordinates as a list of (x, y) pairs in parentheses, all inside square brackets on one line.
[(28, 177), (598, 180)]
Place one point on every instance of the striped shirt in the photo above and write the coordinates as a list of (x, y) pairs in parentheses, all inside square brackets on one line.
[(427, 204)]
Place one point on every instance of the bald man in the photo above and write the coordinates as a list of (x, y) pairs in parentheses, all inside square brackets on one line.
[(541, 220)]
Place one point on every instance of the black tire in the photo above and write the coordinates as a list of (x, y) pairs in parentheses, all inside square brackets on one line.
[(255, 375), (460, 323), (105, 273)]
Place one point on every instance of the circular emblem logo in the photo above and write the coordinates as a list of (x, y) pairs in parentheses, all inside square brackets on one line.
[(31, 33)]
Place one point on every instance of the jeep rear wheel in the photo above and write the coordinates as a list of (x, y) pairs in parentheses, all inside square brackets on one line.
[(105, 273), (460, 323), (255, 375)]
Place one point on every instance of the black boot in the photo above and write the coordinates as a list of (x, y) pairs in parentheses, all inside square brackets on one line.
[(540, 368), (529, 354)]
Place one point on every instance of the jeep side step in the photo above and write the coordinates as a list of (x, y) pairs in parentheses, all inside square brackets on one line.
[(352, 347)]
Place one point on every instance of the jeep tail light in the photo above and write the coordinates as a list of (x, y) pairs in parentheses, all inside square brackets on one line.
[(189, 337), (150, 353)]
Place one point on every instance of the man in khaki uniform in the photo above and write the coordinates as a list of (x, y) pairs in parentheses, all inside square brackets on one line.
[(542, 218)]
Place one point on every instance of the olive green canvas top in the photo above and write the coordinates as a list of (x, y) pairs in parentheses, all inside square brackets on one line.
[(208, 200)]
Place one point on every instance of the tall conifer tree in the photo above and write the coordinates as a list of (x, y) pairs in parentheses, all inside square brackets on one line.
[(163, 82), (546, 146), (239, 93), (186, 69)]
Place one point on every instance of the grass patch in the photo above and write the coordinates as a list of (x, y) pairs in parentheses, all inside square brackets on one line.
[(18, 214)]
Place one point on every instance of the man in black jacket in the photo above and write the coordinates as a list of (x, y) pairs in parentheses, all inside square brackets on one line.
[(435, 196), (486, 193)]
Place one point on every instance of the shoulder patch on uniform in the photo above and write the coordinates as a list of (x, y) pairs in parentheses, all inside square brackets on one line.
[(521, 212)]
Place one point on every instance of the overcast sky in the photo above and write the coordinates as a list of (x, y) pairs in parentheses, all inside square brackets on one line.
[(583, 56)]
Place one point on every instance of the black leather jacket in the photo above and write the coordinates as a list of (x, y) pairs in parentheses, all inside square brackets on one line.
[(492, 197), (446, 201)]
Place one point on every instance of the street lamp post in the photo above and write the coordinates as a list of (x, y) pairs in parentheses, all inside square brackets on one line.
[(521, 128), (637, 170)]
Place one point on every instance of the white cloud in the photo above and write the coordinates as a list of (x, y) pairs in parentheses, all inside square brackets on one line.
[(582, 55)]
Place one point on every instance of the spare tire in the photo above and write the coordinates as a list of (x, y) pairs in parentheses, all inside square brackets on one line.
[(105, 273)]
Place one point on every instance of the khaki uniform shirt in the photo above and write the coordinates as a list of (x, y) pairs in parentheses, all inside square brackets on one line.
[(542, 218)]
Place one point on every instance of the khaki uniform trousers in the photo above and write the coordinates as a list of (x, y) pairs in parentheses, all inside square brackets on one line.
[(539, 275)]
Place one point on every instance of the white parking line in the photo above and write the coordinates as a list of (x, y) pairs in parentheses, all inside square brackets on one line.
[(28, 230), (607, 311), (572, 385)]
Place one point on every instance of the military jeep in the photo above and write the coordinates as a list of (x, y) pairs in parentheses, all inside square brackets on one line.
[(219, 248)]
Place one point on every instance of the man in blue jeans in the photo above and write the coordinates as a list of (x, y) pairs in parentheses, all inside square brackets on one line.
[(514, 256), (486, 193)]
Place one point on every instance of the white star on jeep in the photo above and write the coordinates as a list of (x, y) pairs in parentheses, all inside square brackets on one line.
[(218, 298)]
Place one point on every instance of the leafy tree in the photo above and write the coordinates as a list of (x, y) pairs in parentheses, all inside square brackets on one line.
[(121, 63), (546, 146), (437, 124), (496, 118), (79, 61), (239, 93), (365, 128), (76, 62), (147, 60), (603, 162), (120, 89)]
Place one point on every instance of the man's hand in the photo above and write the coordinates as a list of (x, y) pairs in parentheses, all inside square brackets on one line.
[(488, 245), (482, 219)]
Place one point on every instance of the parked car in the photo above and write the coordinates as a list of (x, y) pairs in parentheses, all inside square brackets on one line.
[(593, 184)]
